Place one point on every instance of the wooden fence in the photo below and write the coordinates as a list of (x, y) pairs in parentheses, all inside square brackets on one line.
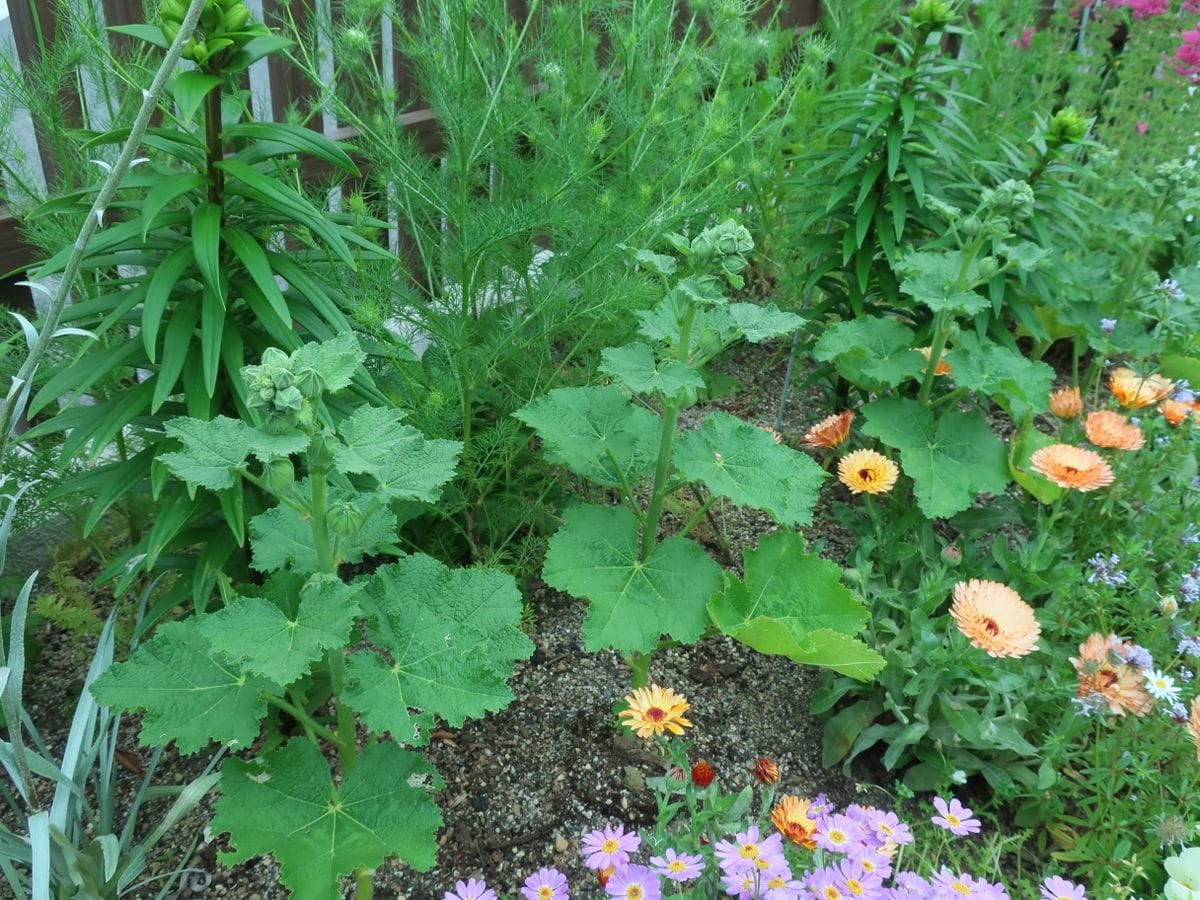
[(274, 85)]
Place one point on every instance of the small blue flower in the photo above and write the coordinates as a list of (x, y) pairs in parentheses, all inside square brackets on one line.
[(1138, 656), (1170, 287), (1108, 326), (1106, 571), (1186, 674), (1161, 441), (1189, 646), (1191, 535)]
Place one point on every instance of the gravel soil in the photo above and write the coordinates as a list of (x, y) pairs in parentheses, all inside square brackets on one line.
[(524, 784)]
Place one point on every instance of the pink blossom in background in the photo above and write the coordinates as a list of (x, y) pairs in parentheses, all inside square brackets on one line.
[(1143, 9), (1025, 40), (1187, 57), (1192, 6), (1143, 127)]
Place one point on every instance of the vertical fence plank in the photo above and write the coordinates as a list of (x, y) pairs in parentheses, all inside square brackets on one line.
[(34, 23)]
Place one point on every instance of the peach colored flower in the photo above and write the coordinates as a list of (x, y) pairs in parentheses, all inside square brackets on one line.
[(1072, 467), (790, 817), (1134, 391), (994, 618), (1106, 428), (773, 433), (1106, 680), (1175, 411), (1193, 726), (867, 472), (1066, 402), (943, 367), (830, 431)]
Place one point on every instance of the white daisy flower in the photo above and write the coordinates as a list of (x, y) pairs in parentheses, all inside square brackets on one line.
[(1161, 687)]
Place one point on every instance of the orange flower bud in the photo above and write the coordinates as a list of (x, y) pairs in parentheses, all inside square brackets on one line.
[(703, 774), (766, 771)]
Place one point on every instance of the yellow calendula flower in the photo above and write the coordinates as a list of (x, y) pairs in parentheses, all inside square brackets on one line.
[(867, 472), (655, 710)]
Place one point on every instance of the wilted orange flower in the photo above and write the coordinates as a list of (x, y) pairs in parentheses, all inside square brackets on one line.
[(994, 618), (865, 471), (1107, 680), (790, 818), (766, 771), (1106, 428), (943, 367), (654, 710), (1193, 726), (1066, 402), (1175, 411), (773, 433), (1072, 467), (1134, 391), (830, 431)]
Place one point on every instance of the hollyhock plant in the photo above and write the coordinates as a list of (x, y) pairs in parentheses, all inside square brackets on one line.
[(1187, 56), (954, 817)]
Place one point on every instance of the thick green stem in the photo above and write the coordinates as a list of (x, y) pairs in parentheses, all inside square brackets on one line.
[(216, 146), (639, 664), (309, 723), (940, 333), (364, 883)]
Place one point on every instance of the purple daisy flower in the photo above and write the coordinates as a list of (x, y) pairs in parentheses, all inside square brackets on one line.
[(960, 884), (545, 884), (1055, 888), (634, 883), (742, 885), (910, 886), (470, 890), (872, 861), (954, 817), (888, 827), (839, 833), (858, 881), (781, 887), (609, 848), (739, 855), (678, 866)]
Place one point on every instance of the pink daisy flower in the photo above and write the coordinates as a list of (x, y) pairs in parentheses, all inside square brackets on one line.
[(678, 866), (1055, 888), (470, 890), (545, 884), (608, 848), (634, 883), (954, 817)]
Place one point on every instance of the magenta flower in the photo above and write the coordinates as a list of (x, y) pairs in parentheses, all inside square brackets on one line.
[(1055, 888), (839, 833), (955, 817), (678, 866), (1025, 41), (470, 890), (545, 884), (1143, 9), (609, 848), (634, 883), (1142, 127), (1187, 56)]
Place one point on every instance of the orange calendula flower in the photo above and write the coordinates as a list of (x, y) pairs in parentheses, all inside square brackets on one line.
[(942, 367), (1193, 726), (790, 818), (867, 472), (1175, 411), (1106, 428), (1066, 403), (994, 618), (655, 710), (703, 774), (1106, 680), (830, 431), (1134, 391), (1072, 467)]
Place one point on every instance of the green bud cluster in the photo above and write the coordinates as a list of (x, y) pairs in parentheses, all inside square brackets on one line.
[(225, 26), (1012, 199), (281, 389), (1066, 126), (1175, 178), (724, 246), (932, 15)]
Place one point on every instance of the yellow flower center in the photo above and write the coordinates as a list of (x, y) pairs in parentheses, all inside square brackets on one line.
[(854, 886), (955, 821), (868, 865), (832, 893), (837, 836), (886, 829), (675, 865), (634, 892), (748, 851), (545, 892), (960, 888), (762, 862), (610, 846), (777, 882)]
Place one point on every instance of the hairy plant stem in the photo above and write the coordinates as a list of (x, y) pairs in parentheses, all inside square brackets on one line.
[(942, 321), (639, 664), (91, 224)]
